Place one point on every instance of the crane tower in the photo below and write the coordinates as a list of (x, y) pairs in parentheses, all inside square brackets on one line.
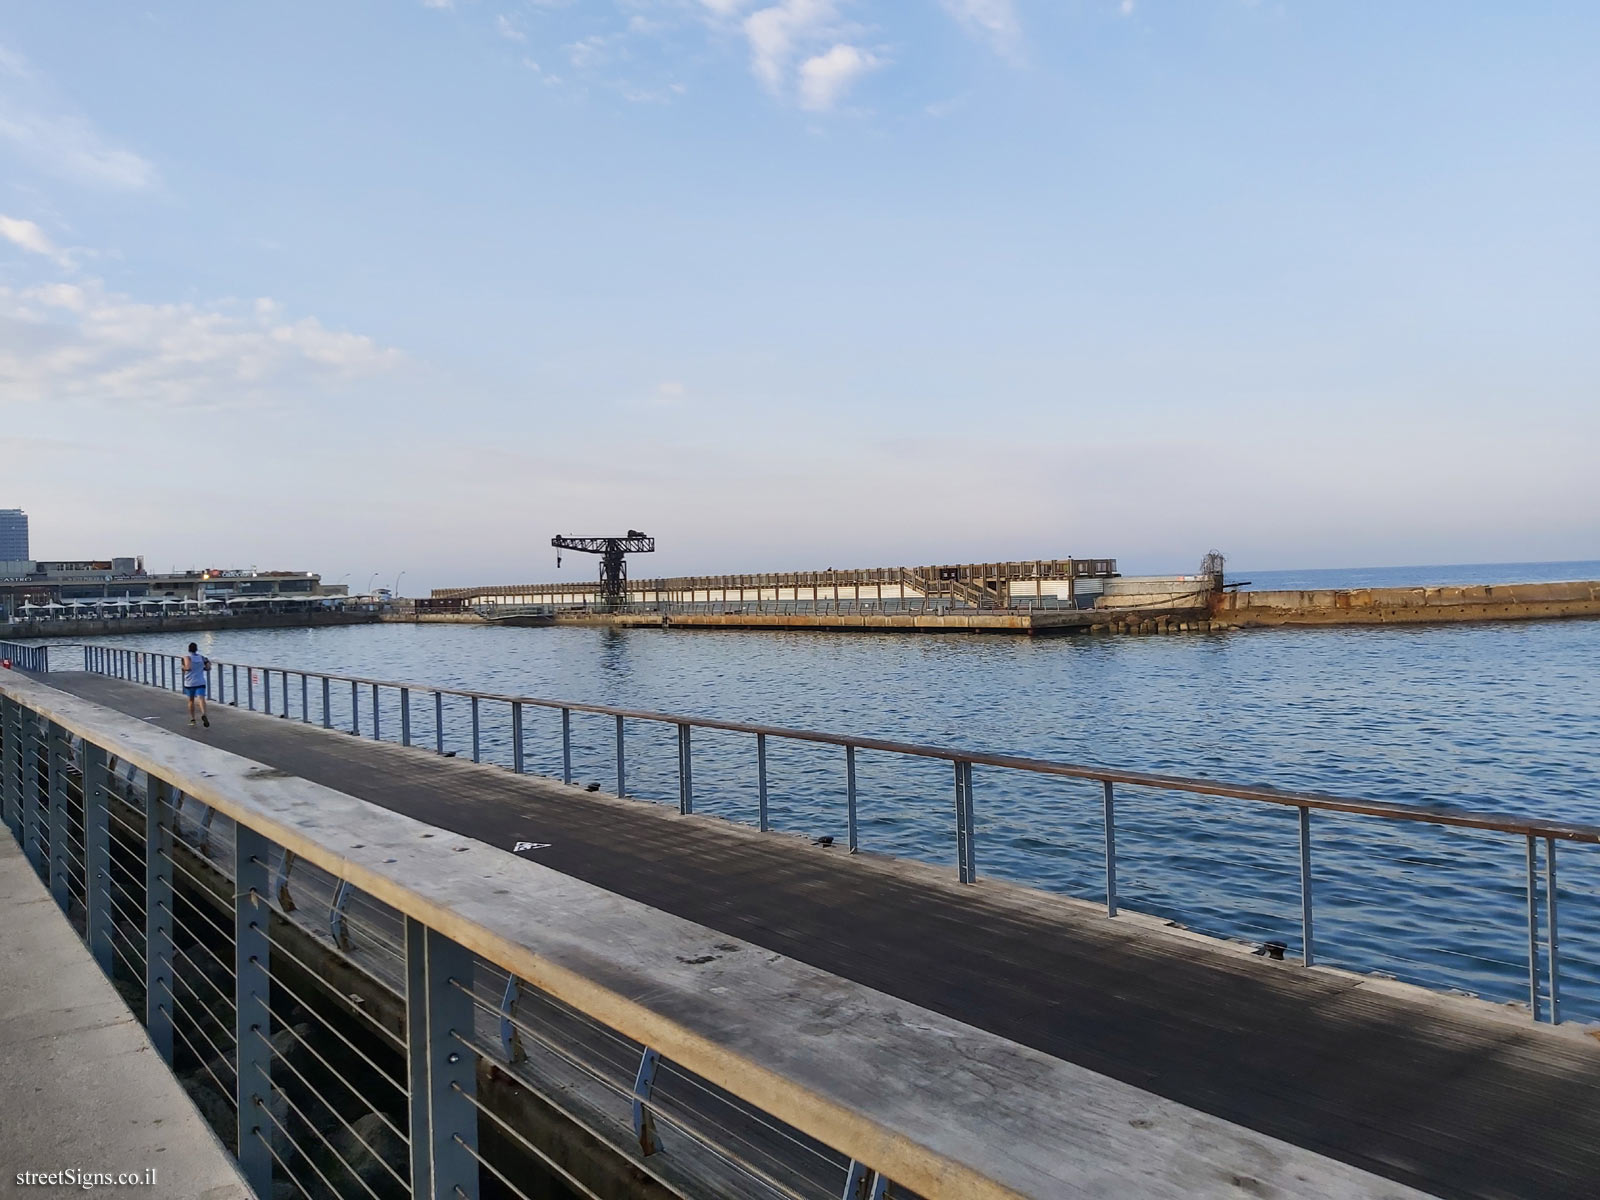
[(613, 564)]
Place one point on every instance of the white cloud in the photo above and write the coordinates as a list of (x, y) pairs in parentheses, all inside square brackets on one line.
[(541, 74), (776, 35), (507, 29), (661, 95), (725, 8), (26, 235), (63, 342), (993, 20), (39, 129), (1126, 8), (826, 77), (591, 51), (438, 3)]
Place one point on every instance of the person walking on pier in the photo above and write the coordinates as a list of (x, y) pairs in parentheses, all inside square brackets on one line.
[(195, 665)]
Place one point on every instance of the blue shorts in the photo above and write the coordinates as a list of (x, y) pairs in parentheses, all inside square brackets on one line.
[(192, 692)]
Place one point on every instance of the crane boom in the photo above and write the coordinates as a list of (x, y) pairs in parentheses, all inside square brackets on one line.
[(613, 564)]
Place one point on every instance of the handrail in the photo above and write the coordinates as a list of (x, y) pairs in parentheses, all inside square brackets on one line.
[(807, 1047), (1569, 831)]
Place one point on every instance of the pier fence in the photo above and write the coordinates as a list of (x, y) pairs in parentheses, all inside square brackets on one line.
[(198, 879), (26, 658), (126, 829), (308, 696)]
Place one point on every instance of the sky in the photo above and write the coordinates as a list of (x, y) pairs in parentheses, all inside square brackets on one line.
[(411, 286)]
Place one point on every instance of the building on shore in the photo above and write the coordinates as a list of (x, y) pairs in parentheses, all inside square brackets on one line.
[(65, 587), (13, 534)]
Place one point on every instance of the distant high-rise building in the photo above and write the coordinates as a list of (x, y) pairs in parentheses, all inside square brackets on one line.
[(13, 535)]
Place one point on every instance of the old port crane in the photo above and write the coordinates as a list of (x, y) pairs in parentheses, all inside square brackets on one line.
[(613, 563)]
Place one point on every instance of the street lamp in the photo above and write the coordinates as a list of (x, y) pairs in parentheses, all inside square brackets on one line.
[(397, 579), (372, 581)]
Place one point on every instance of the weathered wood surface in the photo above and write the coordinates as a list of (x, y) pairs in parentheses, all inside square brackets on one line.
[(1446, 1095)]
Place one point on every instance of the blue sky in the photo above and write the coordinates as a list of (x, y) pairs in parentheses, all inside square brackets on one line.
[(800, 283)]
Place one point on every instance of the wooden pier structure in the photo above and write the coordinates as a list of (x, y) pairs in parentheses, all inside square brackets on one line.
[(1451, 1096)]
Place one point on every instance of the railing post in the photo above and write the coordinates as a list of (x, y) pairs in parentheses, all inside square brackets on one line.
[(761, 781), (622, 777), (31, 814), (961, 825), (56, 791), (11, 767), (250, 688), (516, 736), (566, 745), (850, 796), (510, 1039), (235, 700), (644, 1121), (452, 1077), (377, 731), (417, 1059), (1552, 938), (475, 755), (863, 1183), (158, 917), (685, 771), (305, 699), (405, 716), (327, 704), (266, 690), (252, 994), (1307, 955), (96, 857), (355, 708), (1111, 849), (1533, 927), (438, 722), (336, 923), (972, 823)]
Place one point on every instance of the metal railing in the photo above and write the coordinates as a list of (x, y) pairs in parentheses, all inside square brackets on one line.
[(310, 702), (200, 898), (25, 658)]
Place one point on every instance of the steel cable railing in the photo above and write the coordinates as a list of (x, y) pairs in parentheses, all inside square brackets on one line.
[(208, 854), (308, 1100)]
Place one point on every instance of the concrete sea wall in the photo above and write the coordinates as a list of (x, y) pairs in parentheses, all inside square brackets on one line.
[(195, 623), (1406, 606)]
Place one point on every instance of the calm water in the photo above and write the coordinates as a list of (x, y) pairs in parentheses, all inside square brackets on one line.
[(1499, 717)]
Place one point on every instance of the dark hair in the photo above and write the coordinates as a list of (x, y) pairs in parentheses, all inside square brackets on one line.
[(193, 649)]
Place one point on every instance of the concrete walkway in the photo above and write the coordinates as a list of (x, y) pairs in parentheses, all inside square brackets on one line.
[(81, 1087)]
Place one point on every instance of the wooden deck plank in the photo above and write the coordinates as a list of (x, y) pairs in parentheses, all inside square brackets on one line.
[(1435, 1092)]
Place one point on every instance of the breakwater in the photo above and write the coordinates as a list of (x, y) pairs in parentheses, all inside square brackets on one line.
[(1406, 605)]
